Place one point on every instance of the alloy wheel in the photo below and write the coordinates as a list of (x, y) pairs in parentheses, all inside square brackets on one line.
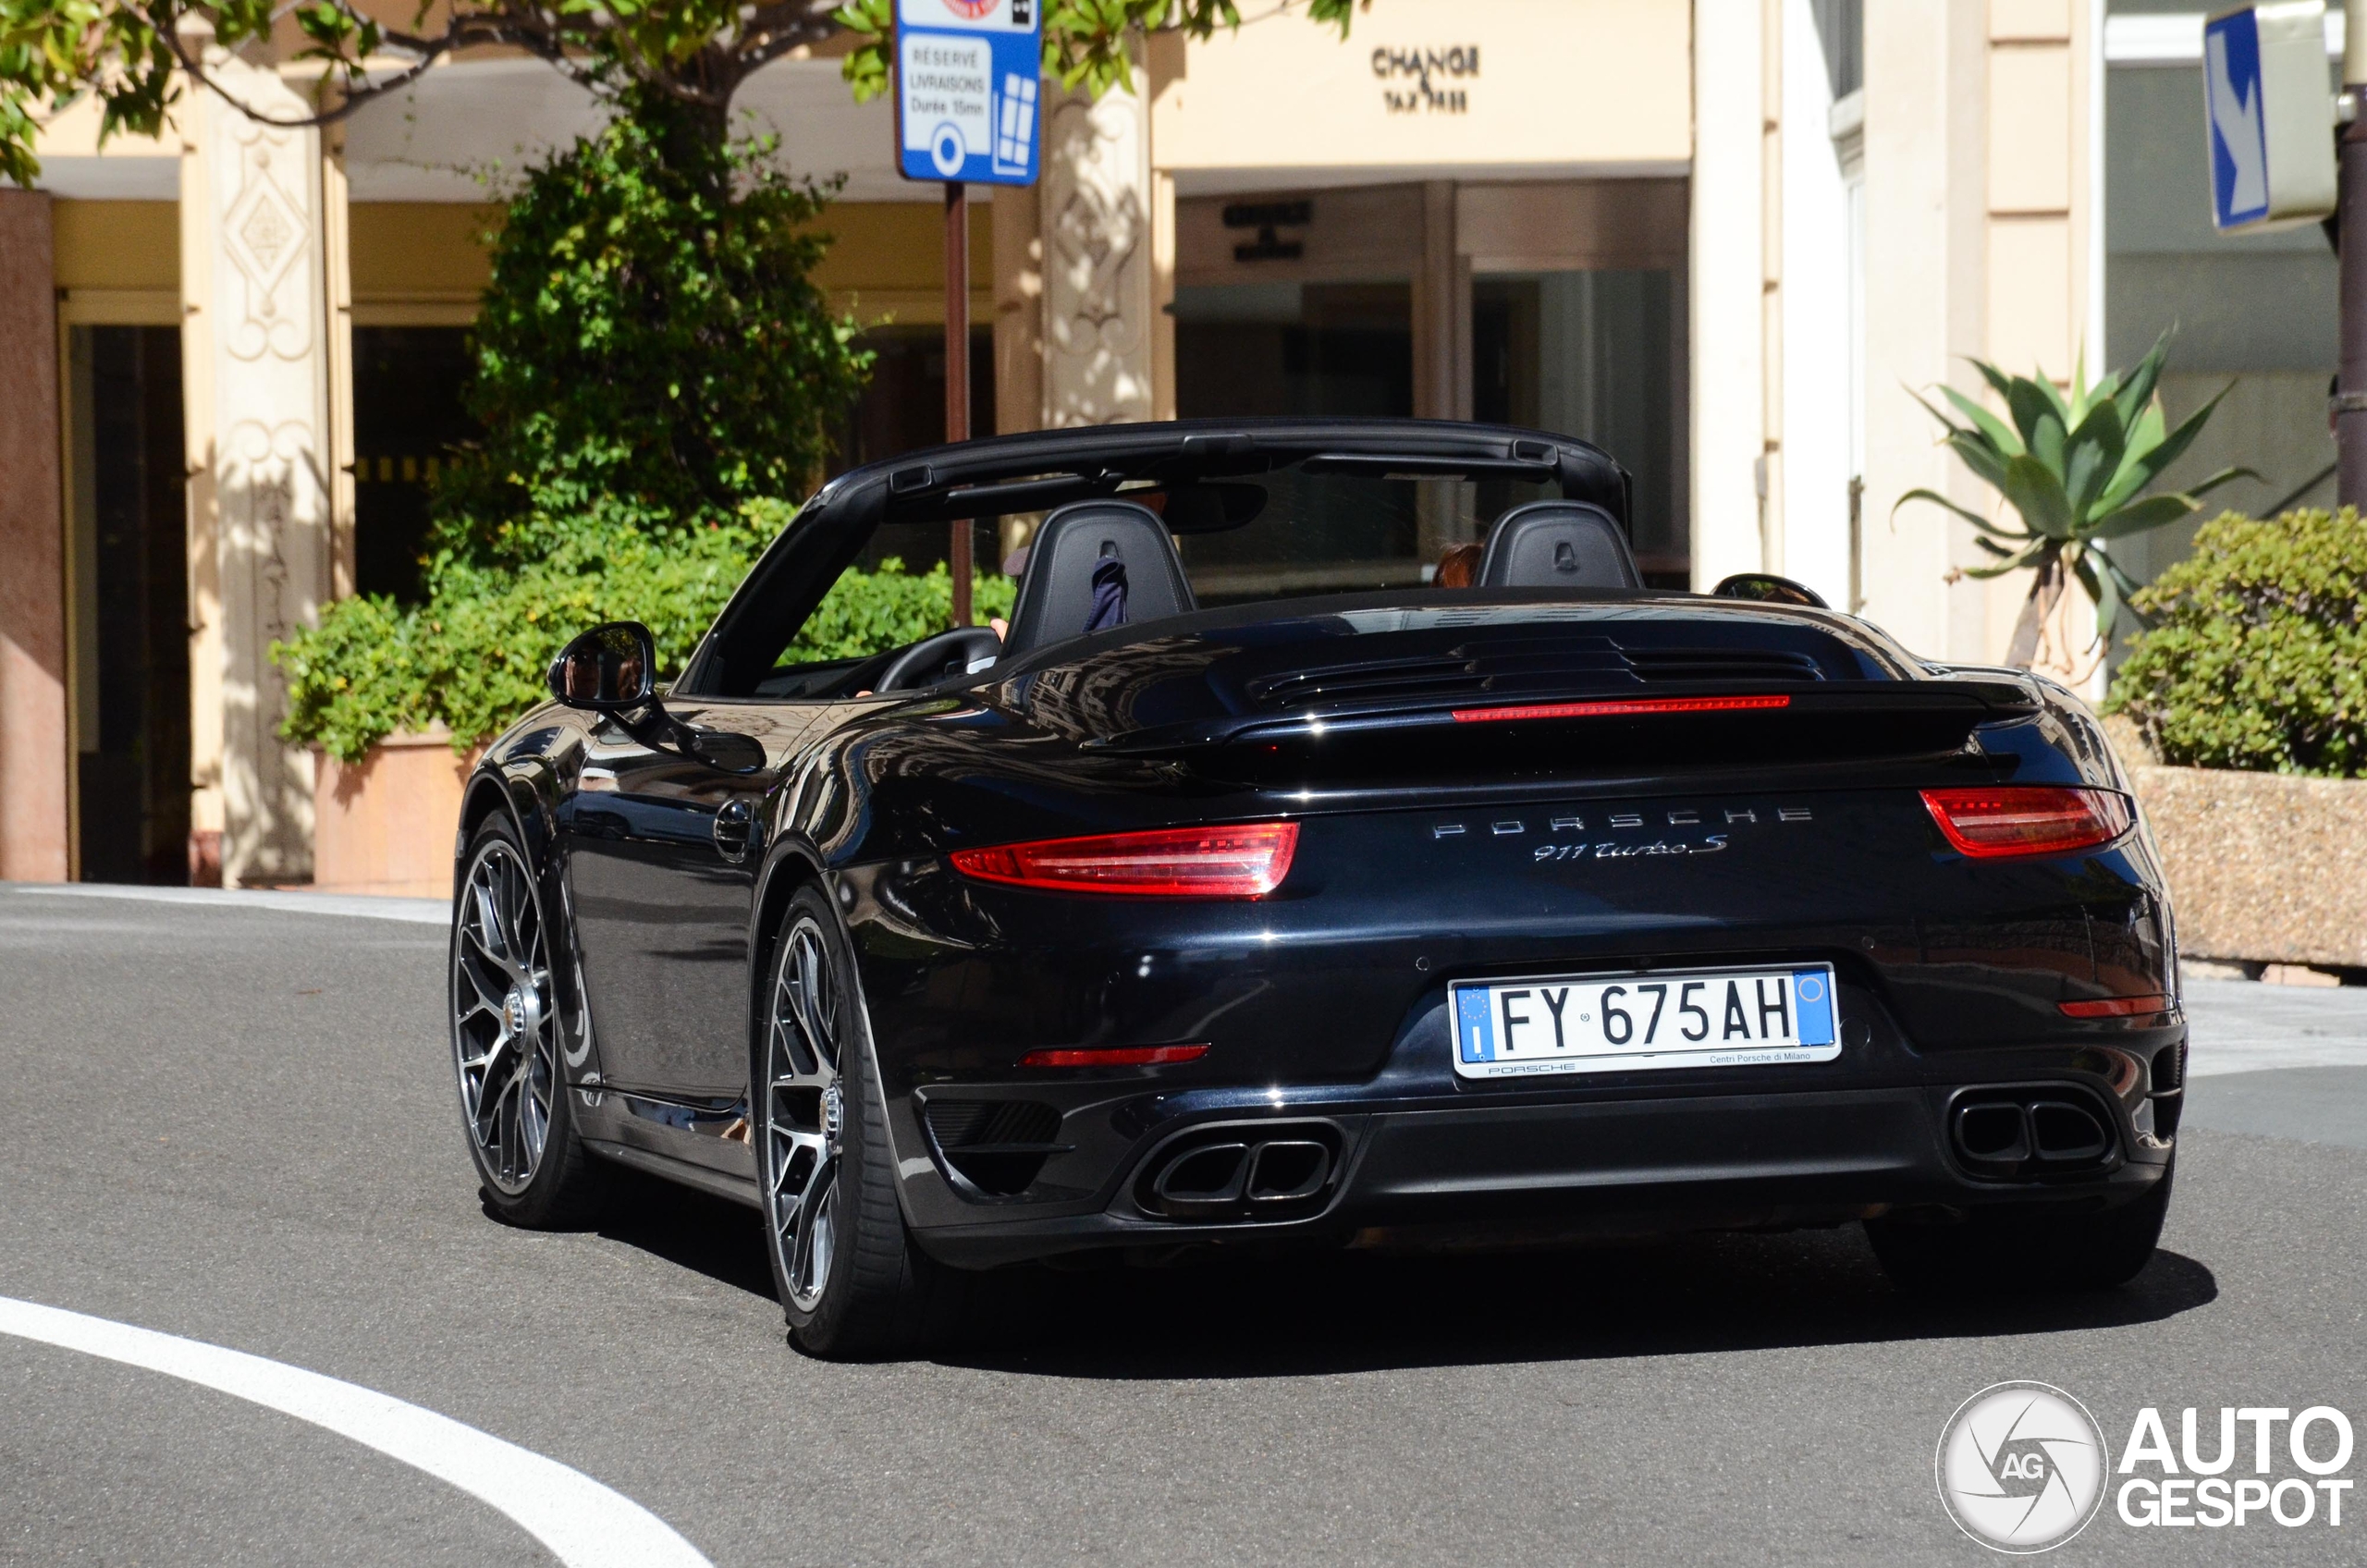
[(505, 1038), (804, 1112)]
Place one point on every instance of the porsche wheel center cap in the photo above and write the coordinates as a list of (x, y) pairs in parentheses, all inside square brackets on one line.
[(834, 1102), (520, 1010)]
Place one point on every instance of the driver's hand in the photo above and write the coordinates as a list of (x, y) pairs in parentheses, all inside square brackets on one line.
[(1001, 627)]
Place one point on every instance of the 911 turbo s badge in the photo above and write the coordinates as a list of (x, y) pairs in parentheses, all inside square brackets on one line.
[(1708, 844), (1558, 848)]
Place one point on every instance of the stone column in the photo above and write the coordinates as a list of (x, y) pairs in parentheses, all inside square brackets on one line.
[(1725, 290), (34, 819), (1925, 298), (1097, 207), (1018, 310), (260, 323)]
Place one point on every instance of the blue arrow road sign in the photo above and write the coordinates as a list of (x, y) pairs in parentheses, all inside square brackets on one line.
[(2238, 133), (966, 89)]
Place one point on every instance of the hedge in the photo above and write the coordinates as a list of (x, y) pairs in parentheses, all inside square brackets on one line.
[(2257, 657)]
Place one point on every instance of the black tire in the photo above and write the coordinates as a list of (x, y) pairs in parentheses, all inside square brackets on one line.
[(853, 1283), (2023, 1252), (532, 1167)]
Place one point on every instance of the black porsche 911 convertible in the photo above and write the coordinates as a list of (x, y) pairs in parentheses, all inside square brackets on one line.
[(1254, 886)]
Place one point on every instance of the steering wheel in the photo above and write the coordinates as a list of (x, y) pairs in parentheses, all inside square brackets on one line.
[(932, 659)]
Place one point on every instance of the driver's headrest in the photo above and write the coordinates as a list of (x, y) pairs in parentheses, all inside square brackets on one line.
[(1056, 596), (1558, 544)]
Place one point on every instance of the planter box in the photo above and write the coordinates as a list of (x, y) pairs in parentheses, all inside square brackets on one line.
[(384, 824), (2262, 866)]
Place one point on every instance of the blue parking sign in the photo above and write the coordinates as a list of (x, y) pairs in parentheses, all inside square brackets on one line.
[(967, 76)]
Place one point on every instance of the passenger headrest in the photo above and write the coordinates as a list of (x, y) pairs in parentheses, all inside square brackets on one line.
[(1056, 594), (1558, 544)]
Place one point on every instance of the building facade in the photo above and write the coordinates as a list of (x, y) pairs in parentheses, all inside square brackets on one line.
[(1724, 239)]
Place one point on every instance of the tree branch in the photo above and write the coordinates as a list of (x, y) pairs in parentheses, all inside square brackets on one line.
[(359, 87)]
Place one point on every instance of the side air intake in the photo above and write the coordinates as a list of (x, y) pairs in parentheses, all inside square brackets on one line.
[(997, 1147)]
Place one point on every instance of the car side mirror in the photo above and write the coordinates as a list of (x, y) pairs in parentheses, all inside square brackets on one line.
[(610, 669), (1769, 589)]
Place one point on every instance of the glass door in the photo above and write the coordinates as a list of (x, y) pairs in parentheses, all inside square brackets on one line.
[(1596, 354)]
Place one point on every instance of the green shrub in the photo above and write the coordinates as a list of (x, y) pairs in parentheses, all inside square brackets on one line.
[(868, 613), (2258, 657), (475, 657)]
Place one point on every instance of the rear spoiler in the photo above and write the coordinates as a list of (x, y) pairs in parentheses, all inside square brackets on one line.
[(1926, 714)]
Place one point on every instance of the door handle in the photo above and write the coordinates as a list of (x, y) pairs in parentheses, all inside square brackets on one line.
[(735, 830)]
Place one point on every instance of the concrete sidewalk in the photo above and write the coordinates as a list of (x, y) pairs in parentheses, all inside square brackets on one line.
[(423, 911), (2243, 1026)]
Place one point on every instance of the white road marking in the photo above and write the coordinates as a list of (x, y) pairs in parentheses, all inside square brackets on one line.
[(584, 1524), (421, 912)]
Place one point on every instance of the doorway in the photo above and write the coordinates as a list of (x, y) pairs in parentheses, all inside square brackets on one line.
[(128, 537), (408, 414)]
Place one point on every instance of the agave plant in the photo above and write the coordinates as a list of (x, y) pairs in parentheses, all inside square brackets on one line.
[(2072, 466)]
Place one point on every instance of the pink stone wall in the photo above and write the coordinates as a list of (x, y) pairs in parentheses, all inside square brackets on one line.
[(34, 765)]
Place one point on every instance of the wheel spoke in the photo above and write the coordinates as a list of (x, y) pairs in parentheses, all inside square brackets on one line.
[(808, 974), (810, 1259), (534, 1112), (490, 993), (516, 1096), (492, 1119), (785, 1158), (484, 1059)]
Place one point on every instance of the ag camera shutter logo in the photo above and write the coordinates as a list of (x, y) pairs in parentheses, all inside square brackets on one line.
[(2021, 1467)]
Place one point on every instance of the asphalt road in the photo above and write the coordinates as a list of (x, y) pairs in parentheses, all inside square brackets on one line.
[(234, 1122)]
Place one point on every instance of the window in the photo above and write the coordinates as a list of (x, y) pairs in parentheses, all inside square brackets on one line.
[(407, 416)]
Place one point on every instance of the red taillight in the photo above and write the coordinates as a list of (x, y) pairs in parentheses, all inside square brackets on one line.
[(1114, 1056), (2034, 819), (1620, 707), (1171, 862), (2115, 1007)]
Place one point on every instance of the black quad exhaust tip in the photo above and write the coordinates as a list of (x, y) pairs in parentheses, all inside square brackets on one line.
[(2065, 1133), (1242, 1173), (1209, 1176), (2016, 1135), (1288, 1171)]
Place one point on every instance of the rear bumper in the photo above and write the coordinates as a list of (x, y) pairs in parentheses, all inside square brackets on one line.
[(1625, 1167)]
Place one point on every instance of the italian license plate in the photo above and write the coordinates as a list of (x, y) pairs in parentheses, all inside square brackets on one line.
[(1633, 1022)]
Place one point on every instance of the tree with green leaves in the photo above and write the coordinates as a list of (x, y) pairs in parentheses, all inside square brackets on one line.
[(2073, 465), (655, 375), (134, 55)]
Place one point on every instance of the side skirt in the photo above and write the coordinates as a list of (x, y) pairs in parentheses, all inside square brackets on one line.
[(717, 1182)]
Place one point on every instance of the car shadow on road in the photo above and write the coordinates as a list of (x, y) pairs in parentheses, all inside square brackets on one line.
[(1358, 1311), (1352, 1312), (708, 1235)]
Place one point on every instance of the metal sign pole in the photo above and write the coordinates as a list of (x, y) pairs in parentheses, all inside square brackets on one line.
[(2350, 396), (967, 78), (957, 374)]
